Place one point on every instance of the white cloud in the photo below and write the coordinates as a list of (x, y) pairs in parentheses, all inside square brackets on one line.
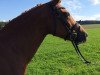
[(95, 2), (78, 17), (93, 17), (72, 4), (2, 20), (97, 16)]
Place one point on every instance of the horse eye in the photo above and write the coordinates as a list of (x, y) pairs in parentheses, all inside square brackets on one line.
[(66, 14)]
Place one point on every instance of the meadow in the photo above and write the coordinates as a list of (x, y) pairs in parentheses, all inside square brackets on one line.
[(58, 57)]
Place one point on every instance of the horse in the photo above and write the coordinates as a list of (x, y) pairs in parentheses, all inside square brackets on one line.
[(22, 36)]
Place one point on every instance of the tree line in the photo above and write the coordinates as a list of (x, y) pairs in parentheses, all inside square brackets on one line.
[(2, 24), (89, 22)]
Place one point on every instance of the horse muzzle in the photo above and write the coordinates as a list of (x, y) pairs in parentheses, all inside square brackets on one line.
[(81, 38)]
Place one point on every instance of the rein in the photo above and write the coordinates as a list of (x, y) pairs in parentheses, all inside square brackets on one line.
[(72, 35)]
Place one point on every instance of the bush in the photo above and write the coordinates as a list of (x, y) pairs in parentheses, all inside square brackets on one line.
[(2, 24)]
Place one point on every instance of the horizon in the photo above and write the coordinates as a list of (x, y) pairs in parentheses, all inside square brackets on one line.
[(80, 10)]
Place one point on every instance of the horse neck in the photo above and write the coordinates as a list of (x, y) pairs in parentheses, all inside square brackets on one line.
[(24, 41)]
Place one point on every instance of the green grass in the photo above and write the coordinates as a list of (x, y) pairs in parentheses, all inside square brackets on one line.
[(58, 57), (91, 26)]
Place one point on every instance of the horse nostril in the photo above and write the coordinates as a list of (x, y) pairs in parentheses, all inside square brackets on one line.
[(86, 35)]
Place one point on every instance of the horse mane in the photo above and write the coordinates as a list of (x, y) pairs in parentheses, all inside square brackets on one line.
[(18, 24), (31, 9), (13, 23), (25, 12)]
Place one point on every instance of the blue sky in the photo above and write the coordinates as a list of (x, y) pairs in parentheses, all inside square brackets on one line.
[(83, 9), (80, 9)]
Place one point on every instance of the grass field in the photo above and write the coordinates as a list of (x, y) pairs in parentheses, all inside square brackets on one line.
[(58, 57)]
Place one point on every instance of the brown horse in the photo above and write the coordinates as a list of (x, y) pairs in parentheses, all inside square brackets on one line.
[(21, 37)]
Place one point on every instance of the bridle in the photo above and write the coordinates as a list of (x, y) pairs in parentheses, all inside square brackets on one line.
[(56, 11)]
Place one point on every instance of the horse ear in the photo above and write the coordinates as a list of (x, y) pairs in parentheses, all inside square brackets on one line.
[(56, 1)]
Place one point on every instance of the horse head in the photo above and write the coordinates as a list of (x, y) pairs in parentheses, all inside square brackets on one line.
[(64, 24)]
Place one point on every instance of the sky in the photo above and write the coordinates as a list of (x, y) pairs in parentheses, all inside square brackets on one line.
[(79, 9)]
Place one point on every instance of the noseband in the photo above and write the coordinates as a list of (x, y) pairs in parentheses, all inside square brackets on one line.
[(72, 31)]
